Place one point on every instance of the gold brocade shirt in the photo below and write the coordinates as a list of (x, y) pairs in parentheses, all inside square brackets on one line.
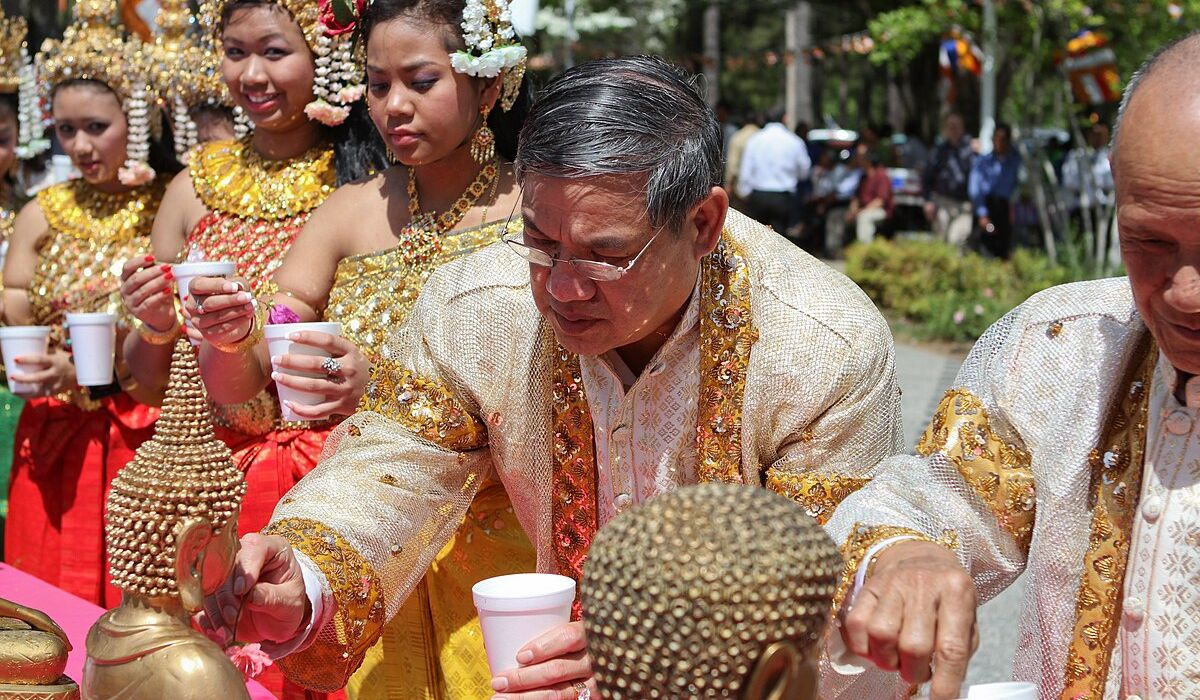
[(91, 236), (256, 209)]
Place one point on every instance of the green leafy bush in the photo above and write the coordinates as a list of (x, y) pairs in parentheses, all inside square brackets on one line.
[(946, 294)]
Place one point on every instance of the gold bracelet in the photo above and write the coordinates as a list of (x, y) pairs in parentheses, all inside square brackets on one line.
[(155, 337), (252, 337)]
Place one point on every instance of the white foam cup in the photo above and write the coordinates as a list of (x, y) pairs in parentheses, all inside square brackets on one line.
[(93, 347), (1003, 691), (516, 609), (188, 271), (279, 345), (21, 341)]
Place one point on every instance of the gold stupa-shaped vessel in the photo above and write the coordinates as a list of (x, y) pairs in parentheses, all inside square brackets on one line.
[(172, 537)]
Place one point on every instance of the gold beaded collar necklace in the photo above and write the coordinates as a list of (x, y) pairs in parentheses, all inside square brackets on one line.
[(445, 222)]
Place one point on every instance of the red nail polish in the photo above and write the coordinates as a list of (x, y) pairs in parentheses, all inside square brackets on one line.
[(165, 268), (169, 275), (149, 258), (186, 297)]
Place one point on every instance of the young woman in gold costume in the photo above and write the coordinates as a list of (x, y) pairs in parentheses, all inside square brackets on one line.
[(65, 255), (362, 260), (245, 201)]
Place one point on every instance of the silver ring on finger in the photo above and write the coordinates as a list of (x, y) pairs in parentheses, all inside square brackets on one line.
[(333, 369), (583, 692)]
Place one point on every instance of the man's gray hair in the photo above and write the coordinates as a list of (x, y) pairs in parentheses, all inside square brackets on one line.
[(635, 115)]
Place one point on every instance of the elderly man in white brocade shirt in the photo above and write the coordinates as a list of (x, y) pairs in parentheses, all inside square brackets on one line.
[(639, 336), (1069, 447)]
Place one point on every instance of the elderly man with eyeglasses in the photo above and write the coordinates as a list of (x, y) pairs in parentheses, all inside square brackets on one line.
[(639, 336)]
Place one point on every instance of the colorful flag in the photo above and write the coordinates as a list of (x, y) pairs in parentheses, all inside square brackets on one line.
[(1091, 66)]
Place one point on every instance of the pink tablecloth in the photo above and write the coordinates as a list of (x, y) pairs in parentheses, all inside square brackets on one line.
[(73, 614)]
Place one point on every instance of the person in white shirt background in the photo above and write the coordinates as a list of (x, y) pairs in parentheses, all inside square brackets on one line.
[(775, 162)]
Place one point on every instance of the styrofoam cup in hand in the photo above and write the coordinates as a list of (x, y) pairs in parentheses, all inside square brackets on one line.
[(279, 345), (93, 347), (516, 609), (1003, 691), (999, 691), (22, 341), (186, 272)]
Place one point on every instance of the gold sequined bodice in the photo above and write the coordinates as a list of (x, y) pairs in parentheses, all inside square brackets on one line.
[(256, 206), (373, 293), (92, 234), (256, 209)]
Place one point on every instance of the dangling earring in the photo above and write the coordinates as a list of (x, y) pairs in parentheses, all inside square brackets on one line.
[(483, 144)]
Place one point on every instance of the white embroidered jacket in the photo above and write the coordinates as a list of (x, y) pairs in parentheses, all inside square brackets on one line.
[(1034, 461), (793, 388)]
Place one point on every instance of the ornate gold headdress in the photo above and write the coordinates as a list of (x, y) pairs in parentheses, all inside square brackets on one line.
[(183, 65), (94, 48), (339, 59), (686, 595), (182, 472), (13, 56)]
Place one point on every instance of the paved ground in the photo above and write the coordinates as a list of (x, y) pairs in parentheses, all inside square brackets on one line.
[(924, 375)]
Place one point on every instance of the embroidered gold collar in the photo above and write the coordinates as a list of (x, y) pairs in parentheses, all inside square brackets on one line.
[(726, 338), (82, 211), (231, 177)]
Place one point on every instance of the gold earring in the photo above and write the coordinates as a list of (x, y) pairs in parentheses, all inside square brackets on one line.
[(483, 144)]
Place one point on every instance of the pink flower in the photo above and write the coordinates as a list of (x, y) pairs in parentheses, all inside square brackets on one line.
[(282, 314), (978, 309), (351, 93), (135, 174), (959, 317), (987, 292), (250, 659), (327, 114)]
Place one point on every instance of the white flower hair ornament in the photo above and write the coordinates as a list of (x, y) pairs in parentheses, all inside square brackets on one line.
[(493, 47)]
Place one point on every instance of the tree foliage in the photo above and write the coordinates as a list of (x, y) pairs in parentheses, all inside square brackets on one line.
[(1031, 35)]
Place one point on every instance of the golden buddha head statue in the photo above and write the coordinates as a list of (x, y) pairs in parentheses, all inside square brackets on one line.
[(710, 591), (172, 511)]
